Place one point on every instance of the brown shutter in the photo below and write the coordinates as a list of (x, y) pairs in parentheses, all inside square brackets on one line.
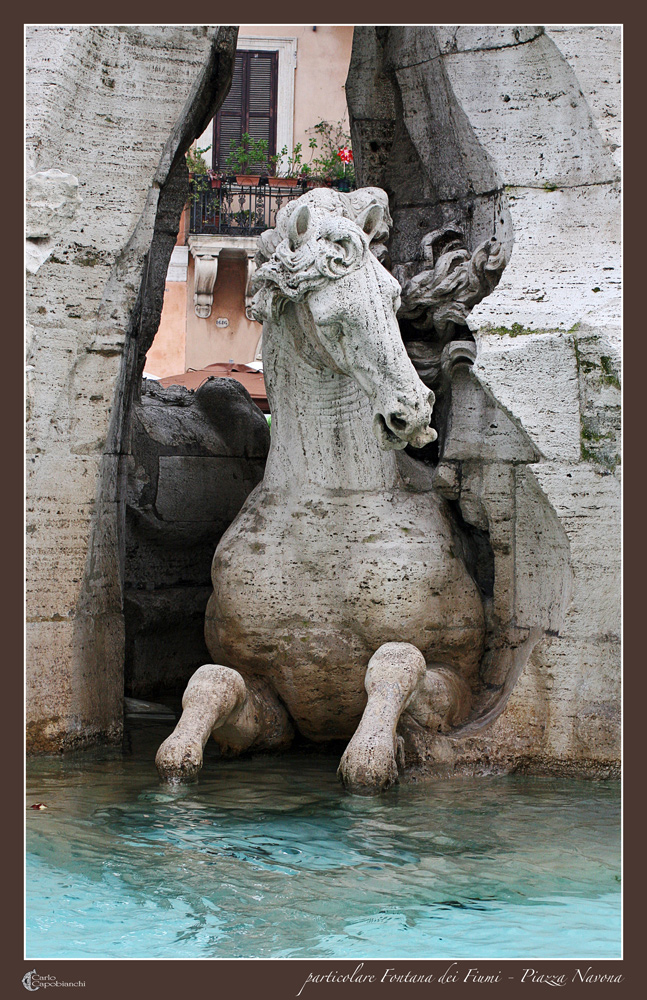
[(229, 123), (250, 105)]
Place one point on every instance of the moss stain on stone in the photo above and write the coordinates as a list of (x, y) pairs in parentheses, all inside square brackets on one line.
[(517, 330), (610, 375), (90, 258)]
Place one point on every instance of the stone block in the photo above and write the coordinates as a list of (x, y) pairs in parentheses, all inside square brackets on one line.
[(193, 489), (594, 53), (480, 428), (548, 285), (588, 506), (529, 94), (536, 379)]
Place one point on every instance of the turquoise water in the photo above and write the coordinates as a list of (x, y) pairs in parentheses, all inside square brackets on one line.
[(268, 857)]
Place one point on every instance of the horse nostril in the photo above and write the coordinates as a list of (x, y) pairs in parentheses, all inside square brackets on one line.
[(397, 423)]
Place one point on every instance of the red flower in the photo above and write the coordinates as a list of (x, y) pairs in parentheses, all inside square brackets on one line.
[(345, 155)]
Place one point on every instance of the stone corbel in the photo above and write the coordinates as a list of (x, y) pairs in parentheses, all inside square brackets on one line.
[(206, 272), (251, 268)]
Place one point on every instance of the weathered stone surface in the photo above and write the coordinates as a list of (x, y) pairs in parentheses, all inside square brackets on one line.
[(566, 266), (195, 458), (588, 504), (544, 105), (594, 51), (52, 198), (536, 379), (435, 170), (481, 430), (114, 107), (529, 93)]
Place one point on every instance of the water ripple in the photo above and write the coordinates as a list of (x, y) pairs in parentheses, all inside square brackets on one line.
[(268, 857)]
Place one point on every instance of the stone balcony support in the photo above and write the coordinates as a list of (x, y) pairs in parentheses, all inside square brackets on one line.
[(206, 272), (207, 250)]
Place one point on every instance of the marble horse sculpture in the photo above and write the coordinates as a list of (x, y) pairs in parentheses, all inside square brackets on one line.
[(346, 596)]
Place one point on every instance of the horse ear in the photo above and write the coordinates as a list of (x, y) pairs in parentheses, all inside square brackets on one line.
[(349, 246), (299, 226), (371, 219)]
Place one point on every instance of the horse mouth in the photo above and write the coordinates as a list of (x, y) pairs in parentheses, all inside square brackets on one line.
[(388, 440)]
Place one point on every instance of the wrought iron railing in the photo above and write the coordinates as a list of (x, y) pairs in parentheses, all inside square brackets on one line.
[(237, 209), (240, 209)]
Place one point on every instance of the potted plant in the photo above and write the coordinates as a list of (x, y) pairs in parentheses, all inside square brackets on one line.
[(215, 176), (247, 155), (199, 172), (291, 166), (334, 164), (344, 182)]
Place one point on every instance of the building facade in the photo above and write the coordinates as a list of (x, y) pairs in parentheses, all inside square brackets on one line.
[(287, 79)]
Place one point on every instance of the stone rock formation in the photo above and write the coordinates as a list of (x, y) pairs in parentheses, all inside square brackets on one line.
[(513, 132), (195, 458), (111, 110)]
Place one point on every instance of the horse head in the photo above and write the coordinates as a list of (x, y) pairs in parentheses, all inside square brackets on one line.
[(318, 261)]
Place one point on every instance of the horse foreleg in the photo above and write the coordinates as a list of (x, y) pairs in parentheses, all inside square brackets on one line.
[(217, 702), (369, 763)]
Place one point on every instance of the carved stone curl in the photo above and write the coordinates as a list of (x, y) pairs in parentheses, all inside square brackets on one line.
[(443, 295)]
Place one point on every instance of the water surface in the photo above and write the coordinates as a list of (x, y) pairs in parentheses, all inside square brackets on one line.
[(268, 857)]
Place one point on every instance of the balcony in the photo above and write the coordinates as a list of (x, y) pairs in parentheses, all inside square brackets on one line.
[(239, 209)]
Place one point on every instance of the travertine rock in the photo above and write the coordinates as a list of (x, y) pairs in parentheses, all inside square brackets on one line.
[(113, 107), (195, 458), (544, 106), (52, 198)]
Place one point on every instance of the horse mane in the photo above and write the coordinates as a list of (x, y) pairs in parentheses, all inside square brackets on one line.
[(318, 237)]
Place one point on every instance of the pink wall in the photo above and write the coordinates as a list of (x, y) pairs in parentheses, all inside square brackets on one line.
[(207, 343), (183, 340), (167, 353)]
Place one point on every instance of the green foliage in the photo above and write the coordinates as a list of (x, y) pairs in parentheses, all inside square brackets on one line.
[(196, 163), (609, 374), (329, 139), (291, 165), (516, 330), (247, 156)]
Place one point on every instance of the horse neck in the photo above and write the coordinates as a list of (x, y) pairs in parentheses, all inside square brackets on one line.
[(321, 422)]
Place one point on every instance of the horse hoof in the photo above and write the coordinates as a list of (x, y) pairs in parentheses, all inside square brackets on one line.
[(179, 759), (368, 769)]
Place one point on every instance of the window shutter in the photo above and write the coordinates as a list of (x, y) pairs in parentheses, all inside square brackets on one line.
[(229, 123), (250, 105)]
